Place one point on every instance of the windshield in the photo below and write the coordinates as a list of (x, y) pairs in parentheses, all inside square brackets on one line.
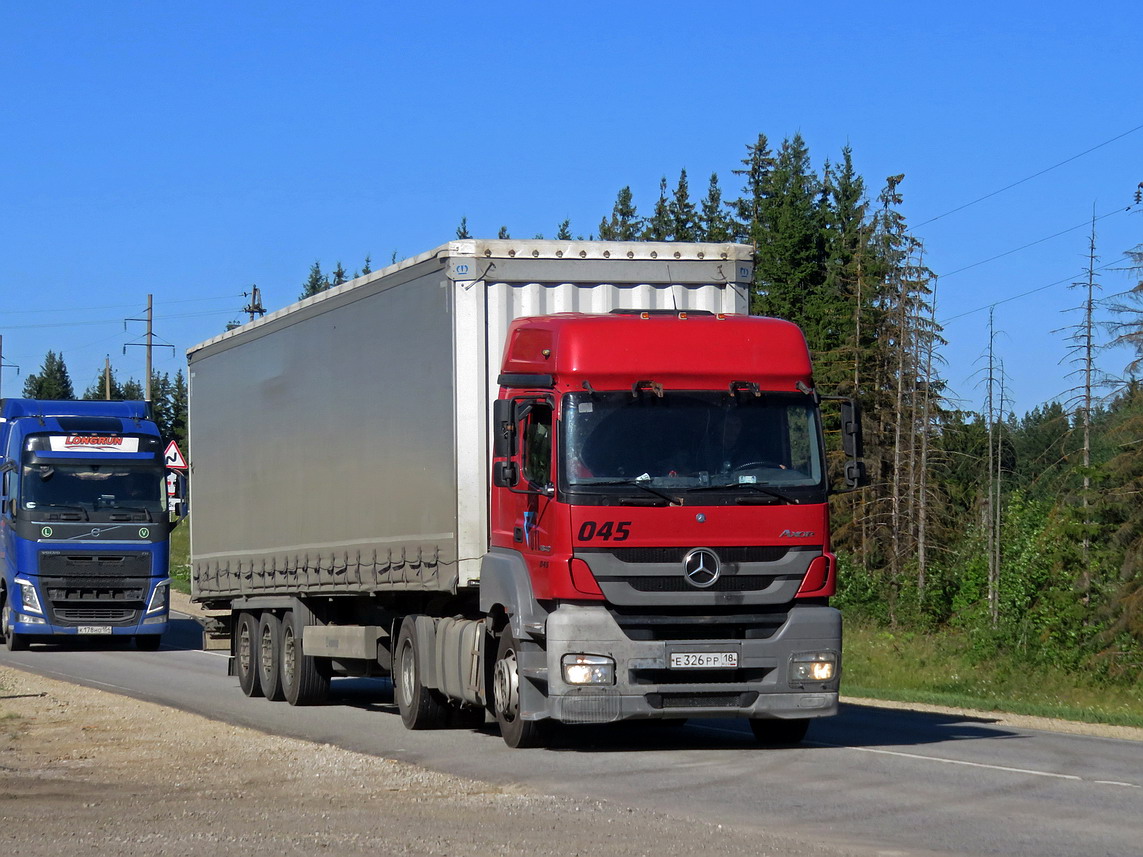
[(90, 490), (688, 441)]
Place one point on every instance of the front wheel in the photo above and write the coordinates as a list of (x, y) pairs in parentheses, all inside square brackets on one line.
[(148, 642), (12, 641), (517, 732), (779, 732)]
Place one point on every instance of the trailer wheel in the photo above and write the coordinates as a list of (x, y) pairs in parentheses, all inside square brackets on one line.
[(302, 682), (270, 656), (516, 732), (246, 654), (420, 707), (13, 642), (774, 733)]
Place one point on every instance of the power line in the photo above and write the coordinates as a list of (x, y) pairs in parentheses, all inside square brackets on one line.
[(1037, 241), (1069, 279), (1029, 178)]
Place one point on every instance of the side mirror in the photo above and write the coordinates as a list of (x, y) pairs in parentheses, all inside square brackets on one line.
[(503, 428), (851, 440), (855, 475), (505, 474)]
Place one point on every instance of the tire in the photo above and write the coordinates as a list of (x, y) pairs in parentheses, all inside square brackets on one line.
[(516, 732), (12, 641), (246, 654), (303, 683), (776, 733), (148, 642), (270, 656), (420, 707)]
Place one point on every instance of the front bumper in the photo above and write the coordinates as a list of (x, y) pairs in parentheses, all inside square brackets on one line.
[(646, 687)]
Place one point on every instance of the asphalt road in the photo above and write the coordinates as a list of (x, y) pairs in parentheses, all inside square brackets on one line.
[(871, 780)]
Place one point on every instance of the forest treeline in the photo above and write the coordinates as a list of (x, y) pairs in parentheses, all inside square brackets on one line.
[(1024, 533)]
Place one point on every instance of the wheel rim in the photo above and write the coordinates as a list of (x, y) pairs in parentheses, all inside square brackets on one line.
[(408, 669), (506, 687), (289, 662), (267, 651), (245, 649)]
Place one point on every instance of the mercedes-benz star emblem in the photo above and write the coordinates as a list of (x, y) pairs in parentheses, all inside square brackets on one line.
[(702, 567)]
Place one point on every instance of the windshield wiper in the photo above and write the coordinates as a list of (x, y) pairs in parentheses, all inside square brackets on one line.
[(674, 501), (142, 509), (79, 509), (768, 493)]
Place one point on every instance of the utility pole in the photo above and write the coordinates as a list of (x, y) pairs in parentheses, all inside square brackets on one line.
[(4, 366), (107, 377), (149, 344), (254, 308)]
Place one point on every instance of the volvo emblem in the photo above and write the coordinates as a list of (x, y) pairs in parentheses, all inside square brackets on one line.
[(702, 567)]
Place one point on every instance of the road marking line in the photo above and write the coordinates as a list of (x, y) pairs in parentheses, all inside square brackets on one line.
[(943, 760)]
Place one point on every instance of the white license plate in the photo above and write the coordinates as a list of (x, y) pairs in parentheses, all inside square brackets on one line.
[(93, 629), (704, 660)]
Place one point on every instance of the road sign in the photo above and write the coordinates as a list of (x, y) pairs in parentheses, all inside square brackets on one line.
[(174, 457)]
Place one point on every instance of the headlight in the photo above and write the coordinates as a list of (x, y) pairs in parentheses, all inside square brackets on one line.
[(159, 598), (812, 666), (588, 669), (29, 600)]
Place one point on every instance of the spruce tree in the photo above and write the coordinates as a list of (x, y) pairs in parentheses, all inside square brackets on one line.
[(367, 268), (315, 283), (755, 175), (658, 226), (338, 276), (52, 381), (681, 212), (624, 224), (713, 222), (564, 231), (462, 230)]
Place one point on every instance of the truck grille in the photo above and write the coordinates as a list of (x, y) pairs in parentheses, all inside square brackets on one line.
[(650, 625), (675, 556), (701, 700), (82, 616), (726, 583), (96, 564)]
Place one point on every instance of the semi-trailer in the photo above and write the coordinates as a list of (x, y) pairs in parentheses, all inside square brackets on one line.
[(84, 526), (553, 481)]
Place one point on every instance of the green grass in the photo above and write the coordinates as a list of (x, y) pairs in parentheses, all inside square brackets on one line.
[(180, 557), (937, 669)]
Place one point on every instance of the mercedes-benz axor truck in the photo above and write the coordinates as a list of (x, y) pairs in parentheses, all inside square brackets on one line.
[(551, 481), (84, 527)]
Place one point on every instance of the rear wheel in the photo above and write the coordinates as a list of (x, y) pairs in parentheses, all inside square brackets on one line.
[(303, 683), (270, 656), (514, 729), (779, 732), (420, 707), (246, 654)]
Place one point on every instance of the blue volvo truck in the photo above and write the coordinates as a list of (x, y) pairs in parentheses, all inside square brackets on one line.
[(84, 526)]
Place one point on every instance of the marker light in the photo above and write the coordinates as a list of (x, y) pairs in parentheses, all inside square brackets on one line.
[(588, 669)]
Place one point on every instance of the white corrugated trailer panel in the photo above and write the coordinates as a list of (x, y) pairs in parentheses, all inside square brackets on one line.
[(325, 429)]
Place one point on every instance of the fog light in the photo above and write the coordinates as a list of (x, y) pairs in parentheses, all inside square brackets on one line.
[(30, 620), (29, 600), (812, 666), (588, 669)]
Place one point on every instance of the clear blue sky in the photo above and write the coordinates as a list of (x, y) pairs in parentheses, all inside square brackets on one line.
[(190, 150)]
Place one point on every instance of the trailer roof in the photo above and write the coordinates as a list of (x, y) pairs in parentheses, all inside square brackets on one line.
[(476, 259)]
